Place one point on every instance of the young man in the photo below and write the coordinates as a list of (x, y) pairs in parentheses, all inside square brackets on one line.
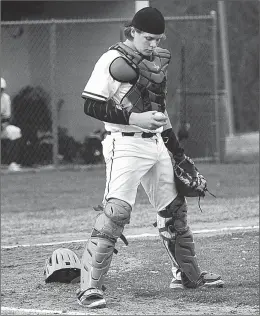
[(127, 91)]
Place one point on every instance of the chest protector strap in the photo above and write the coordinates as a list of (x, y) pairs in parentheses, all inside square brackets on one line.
[(148, 93)]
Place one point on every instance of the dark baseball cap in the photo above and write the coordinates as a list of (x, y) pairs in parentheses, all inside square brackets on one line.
[(149, 20)]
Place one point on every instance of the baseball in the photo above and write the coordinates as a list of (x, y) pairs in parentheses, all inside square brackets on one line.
[(159, 116)]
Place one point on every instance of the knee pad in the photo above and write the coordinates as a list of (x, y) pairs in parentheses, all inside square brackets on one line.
[(115, 216), (173, 219), (178, 211), (118, 211)]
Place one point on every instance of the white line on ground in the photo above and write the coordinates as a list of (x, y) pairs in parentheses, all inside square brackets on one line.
[(146, 235), (27, 311)]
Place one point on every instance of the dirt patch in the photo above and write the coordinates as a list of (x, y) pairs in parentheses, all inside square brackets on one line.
[(138, 281)]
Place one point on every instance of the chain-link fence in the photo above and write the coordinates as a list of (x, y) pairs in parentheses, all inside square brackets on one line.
[(194, 92), (49, 62)]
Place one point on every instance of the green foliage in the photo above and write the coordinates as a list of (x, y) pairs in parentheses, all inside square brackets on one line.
[(31, 110), (69, 148), (91, 151), (32, 113)]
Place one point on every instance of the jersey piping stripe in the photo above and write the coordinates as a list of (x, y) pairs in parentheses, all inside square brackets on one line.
[(93, 96), (110, 174)]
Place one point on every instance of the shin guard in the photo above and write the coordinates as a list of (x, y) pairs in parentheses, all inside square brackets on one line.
[(99, 250), (96, 262), (178, 241), (181, 250)]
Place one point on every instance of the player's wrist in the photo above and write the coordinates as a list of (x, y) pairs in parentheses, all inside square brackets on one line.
[(132, 118), (172, 144)]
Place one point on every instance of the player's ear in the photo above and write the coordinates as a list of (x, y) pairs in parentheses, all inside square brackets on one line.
[(132, 32), (121, 70)]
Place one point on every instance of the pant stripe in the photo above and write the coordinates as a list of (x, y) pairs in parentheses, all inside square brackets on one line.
[(174, 262), (110, 174)]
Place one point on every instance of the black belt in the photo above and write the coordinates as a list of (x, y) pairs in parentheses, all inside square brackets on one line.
[(143, 134)]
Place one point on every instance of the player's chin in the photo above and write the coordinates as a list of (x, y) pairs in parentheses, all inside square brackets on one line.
[(147, 52)]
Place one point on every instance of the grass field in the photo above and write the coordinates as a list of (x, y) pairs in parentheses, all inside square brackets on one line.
[(56, 206), (242, 147), (53, 205)]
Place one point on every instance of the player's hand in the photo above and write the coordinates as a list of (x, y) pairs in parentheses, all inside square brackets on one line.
[(150, 120)]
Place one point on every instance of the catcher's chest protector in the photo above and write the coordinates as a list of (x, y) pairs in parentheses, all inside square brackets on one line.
[(149, 91)]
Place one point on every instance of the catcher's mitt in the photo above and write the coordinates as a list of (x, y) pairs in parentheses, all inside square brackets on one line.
[(188, 181)]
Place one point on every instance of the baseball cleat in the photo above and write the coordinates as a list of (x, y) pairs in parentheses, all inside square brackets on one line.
[(176, 284), (207, 280), (91, 298), (211, 280)]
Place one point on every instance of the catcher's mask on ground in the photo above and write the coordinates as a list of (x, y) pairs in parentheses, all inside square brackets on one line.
[(63, 266)]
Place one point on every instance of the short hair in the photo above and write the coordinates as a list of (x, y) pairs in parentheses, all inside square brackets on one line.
[(128, 35)]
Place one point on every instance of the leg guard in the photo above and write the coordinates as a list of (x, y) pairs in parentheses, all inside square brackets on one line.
[(178, 240), (98, 253)]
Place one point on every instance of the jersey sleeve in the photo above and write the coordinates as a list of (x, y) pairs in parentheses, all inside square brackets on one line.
[(101, 85)]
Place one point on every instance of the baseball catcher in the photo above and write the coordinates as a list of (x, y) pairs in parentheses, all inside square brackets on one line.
[(127, 91)]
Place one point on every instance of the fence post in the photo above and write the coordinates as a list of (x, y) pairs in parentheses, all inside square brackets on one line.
[(53, 93), (218, 154), (226, 66), (183, 85), (223, 123)]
